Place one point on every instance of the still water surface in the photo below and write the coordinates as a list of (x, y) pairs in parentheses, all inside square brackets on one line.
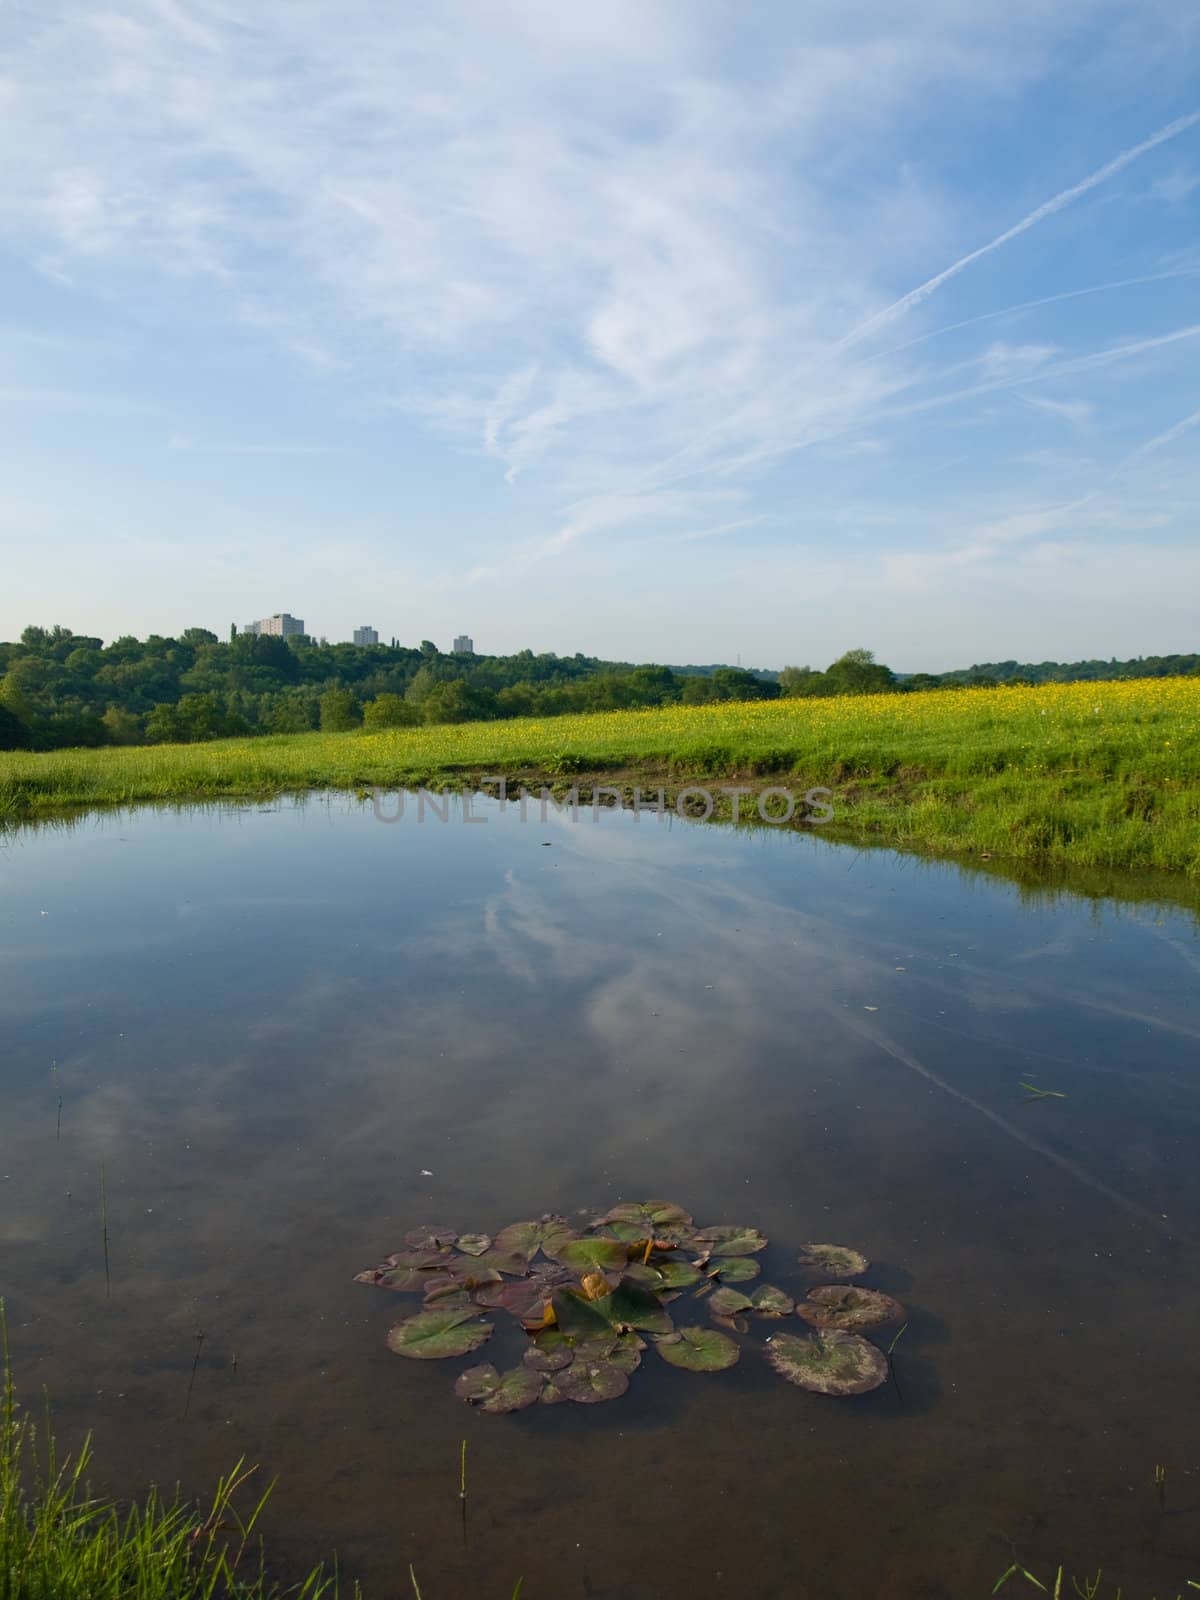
[(289, 1034)]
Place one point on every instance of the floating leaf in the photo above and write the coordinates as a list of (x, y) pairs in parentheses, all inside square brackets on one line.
[(404, 1280), (830, 1362), (498, 1392), (726, 1302), (431, 1335), (847, 1308), (833, 1260), (552, 1395), (510, 1262), (628, 1232), (656, 1219), (449, 1297), (678, 1274), (728, 1240), (735, 1269), (527, 1238), (474, 1244), (549, 1352), (632, 1306), (588, 1381), (421, 1258), (698, 1350), (430, 1238), (772, 1302), (591, 1254), (626, 1353)]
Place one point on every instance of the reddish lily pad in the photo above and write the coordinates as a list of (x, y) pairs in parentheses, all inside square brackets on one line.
[(830, 1362), (833, 1261), (588, 1381), (428, 1238), (499, 1392), (698, 1350), (432, 1335), (549, 1352), (404, 1280), (845, 1307)]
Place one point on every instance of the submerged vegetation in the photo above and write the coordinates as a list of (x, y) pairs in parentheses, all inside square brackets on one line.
[(1096, 775), (591, 1302)]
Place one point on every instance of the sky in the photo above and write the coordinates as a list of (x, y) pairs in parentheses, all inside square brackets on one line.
[(665, 330)]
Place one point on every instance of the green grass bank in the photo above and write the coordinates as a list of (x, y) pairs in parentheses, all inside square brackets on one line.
[(1090, 775)]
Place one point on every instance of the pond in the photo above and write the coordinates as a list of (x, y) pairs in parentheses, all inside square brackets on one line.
[(281, 1036)]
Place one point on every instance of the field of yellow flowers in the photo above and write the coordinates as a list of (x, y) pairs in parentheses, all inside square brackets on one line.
[(1091, 773)]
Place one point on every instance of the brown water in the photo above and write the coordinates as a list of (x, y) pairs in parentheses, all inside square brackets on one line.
[(266, 1024)]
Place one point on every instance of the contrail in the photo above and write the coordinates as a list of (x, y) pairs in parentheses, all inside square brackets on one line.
[(1032, 305), (1159, 440), (1064, 1163), (1064, 198)]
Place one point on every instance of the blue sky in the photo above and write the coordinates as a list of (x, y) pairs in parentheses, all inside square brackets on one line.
[(669, 331)]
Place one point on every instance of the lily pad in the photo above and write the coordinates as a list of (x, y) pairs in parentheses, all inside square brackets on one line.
[(654, 1219), (527, 1238), (727, 1240), (833, 1261), (591, 1254), (830, 1362), (549, 1352), (422, 1257), (449, 1297), (699, 1350), (772, 1302), (626, 1353), (404, 1280), (727, 1302), (431, 1335), (430, 1238), (628, 1306), (474, 1244), (842, 1306), (498, 1392), (735, 1269), (588, 1381)]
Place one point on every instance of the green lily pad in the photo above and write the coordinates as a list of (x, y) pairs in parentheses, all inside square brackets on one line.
[(629, 1305), (698, 1350), (431, 1335), (498, 1392), (628, 1232), (654, 1219), (626, 1353), (830, 1362), (421, 1258), (527, 1238), (727, 1240), (678, 1274), (728, 1302), (552, 1395), (772, 1302), (735, 1269), (474, 1244), (842, 1306), (588, 1381), (594, 1254), (449, 1297), (833, 1261), (430, 1238)]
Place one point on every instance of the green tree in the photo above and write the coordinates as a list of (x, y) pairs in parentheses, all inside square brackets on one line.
[(14, 735), (340, 711), (390, 711), (122, 727), (858, 672)]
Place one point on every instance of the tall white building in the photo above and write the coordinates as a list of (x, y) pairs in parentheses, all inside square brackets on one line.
[(282, 625), (365, 635), (464, 645)]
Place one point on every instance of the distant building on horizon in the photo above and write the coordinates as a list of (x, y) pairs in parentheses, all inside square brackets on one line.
[(464, 645), (365, 635), (281, 626)]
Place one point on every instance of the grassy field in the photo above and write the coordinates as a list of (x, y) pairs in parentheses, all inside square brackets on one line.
[(1089, 774)]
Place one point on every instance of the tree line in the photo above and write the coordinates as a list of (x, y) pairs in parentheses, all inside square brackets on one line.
[(60, 689)]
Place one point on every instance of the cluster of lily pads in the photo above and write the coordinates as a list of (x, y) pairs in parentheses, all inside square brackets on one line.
[(590, 1300)]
